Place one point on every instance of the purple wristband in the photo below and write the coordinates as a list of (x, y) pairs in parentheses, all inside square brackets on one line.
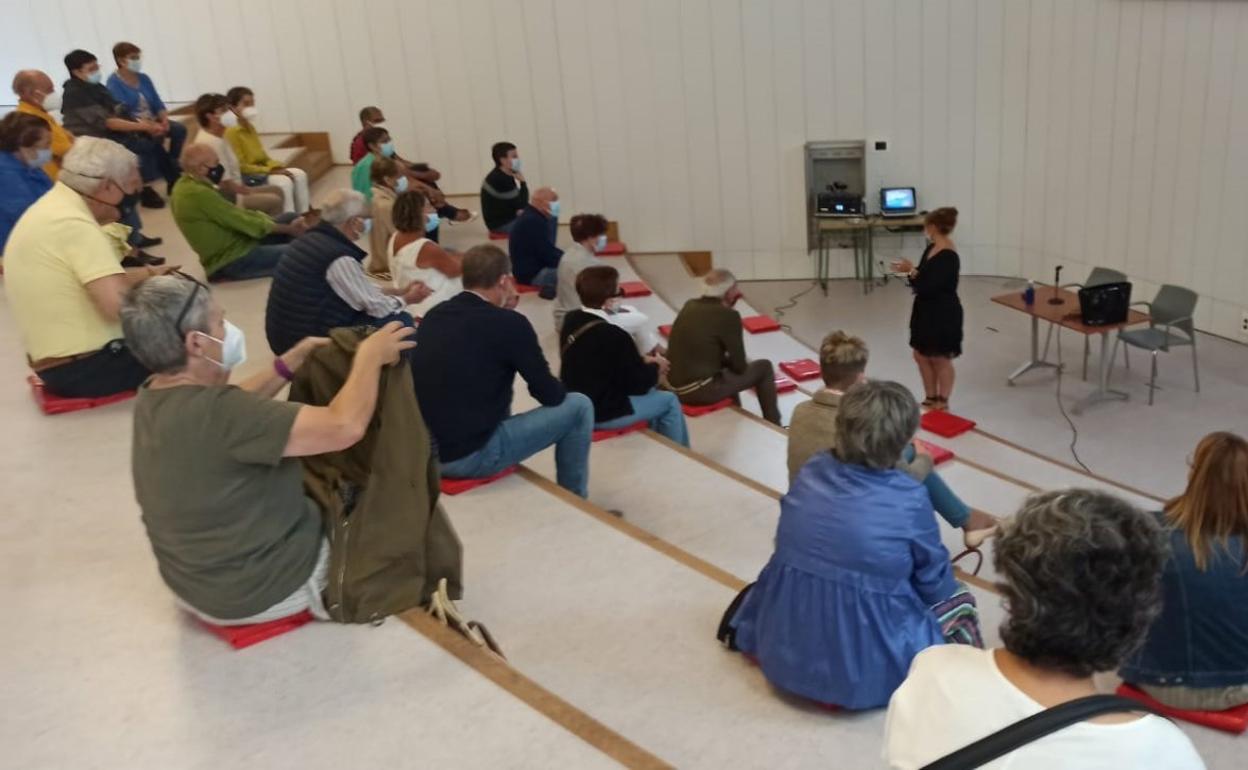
[(283, 370)]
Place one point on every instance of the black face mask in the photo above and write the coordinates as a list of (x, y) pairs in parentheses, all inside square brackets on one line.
[(128, 202), (216, 172)]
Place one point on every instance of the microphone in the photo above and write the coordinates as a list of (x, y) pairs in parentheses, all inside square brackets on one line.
[(1056, 299)]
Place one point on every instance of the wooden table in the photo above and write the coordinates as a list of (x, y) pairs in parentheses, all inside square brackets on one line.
[(862, 230), (1066, 314)]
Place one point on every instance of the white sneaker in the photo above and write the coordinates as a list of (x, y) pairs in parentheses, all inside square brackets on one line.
[(472, 217)]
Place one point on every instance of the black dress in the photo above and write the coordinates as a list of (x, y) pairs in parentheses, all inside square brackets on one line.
[(936, 319)]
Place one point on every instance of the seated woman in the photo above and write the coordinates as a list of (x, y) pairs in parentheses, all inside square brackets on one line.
[(859, 583), (601, 361), (215, 465), (1196, 653), (255, 163), (843, 364), (413, 256), (388, 181), (1081, 574), (25, 146)]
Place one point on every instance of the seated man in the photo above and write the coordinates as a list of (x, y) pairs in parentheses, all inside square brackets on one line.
[(504, 193), (36, 95), (215, 465), (90, 109), (136, 92), (468, 352), (63, 278), (254, 161), (320, 283), (213, 113), (843, 363), (377, 143), (232, 243), (707, 350), (601, 361), (534, 255), (589, 233)]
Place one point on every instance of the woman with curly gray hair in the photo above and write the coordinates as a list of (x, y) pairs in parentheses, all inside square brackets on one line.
[(1081, 573)]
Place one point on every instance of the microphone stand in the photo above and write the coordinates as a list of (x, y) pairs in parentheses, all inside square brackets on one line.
[(1056, 299)]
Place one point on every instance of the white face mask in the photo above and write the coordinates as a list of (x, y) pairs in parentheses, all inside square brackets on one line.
[(229, 119), (233, 347), (251, 113), (52, 102)]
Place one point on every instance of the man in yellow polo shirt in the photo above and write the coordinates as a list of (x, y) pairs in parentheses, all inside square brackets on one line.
[(36, 95), (64, 281)]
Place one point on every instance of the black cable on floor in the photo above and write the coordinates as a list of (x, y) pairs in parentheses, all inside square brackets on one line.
[(778, 312), (1074, 431)]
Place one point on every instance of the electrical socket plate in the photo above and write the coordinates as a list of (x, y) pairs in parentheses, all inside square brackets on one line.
[(1243, 325)]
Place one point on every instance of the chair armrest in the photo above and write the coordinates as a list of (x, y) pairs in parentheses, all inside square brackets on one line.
[(1166, 327)]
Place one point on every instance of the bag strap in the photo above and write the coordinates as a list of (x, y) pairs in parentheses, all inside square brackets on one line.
[(576, 335), (1033, 728)]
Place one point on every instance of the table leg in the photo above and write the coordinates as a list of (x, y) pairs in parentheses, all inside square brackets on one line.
[(869, 286), (1103, 392), (1036, 362)]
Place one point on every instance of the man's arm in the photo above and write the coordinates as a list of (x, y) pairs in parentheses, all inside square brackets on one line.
[(269, 383), (527, 358), (733, 338), (108, 292), (346, 277)]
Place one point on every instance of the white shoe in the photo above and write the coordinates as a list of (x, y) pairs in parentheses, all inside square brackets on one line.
[(472, 217)]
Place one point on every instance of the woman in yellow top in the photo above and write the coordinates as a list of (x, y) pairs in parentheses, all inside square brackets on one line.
[(254, 161)]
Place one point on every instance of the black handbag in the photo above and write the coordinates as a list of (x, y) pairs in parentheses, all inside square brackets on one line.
[(1033, 728), (727, 635)]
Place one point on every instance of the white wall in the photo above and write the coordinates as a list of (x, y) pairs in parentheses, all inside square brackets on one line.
[(1077, 132)]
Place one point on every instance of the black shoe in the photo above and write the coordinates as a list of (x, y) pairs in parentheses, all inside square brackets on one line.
[(147, 243), (151, 260), (131, 262), (151, 199)]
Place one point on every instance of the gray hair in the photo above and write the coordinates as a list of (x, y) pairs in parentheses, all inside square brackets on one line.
[(92, 161), (1082, 579), (149, 317), (340, 205), (874, 423), (718, 282)]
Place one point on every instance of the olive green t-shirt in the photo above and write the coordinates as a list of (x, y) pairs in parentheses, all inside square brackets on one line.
[(230, 526)]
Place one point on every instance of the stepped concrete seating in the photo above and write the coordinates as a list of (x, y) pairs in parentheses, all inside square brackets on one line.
[(306, 150)]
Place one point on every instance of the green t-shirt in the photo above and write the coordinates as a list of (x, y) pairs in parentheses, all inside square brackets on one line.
[(362, 176), (230, 526)]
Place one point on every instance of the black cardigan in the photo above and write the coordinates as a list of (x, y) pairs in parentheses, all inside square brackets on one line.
[(603, 363)]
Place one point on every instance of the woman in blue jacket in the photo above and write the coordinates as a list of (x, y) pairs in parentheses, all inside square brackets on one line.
[(137, 93), (859, 582), (25, 145), (1196, 653)]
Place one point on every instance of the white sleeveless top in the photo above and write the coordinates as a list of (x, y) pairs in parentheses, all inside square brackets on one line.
[(404, 270)]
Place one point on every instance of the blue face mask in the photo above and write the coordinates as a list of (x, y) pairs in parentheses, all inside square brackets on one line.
[(41, 158), (95, 77), (432, 221), (515, 164), (134, 65), (401, 185), (601, 242), (554, 208), (387, 149), (368, 226)]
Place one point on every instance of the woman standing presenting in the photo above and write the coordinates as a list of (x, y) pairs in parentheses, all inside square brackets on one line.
[(936, 320)]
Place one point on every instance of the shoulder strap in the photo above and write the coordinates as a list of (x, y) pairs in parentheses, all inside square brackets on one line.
[(1033, 728), (576, 335)]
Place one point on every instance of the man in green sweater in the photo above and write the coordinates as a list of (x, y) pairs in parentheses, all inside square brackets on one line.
[(707, 350), (232, 243)]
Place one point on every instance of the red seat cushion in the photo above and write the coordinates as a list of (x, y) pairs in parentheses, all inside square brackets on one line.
[(254, 633), (945, 424), (801, 369), (456, 486), (756, 324), (612, 250), (1232, 720), (498, 236), (698, 411), (666, 330), (525, 288), (53, 404), (635, 289), (604, 434), (939, 453), (784, 384)]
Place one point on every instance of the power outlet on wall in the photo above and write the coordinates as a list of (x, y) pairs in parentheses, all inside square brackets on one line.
[(1243, 325)]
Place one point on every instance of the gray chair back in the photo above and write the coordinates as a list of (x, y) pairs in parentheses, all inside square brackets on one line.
[(1103, 275), (1173, 303)]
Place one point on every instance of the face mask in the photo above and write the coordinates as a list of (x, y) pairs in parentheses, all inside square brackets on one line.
[(401, 185), (387, 149), (554, 208), (251, 113), (134, 65), (52, 102), (128, 202), (95, 77), (229, 119), (368, 227), (432, 221), (216, 172), (41, 157), (600, 242), (233, 347), (515, 164)]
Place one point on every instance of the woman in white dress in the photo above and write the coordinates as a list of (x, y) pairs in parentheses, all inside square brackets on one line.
[(414, 257)]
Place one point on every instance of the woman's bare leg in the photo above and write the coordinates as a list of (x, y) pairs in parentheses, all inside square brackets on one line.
[(928, 374)]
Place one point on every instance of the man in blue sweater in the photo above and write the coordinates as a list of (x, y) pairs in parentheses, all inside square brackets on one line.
[(468, 351), (534, 255)]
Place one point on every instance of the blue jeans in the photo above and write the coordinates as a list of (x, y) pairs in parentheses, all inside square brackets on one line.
[(262, 260), (130, 218), (661, 409), (947, 504), (156, 162), (546, 278), (569, 426)]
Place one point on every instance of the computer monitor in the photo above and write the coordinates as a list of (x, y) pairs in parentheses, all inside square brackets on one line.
[(897, 201)]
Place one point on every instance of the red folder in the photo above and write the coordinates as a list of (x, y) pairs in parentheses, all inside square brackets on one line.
[(945, 424), (939, 453), (635, 289), (784, 384), (757, 324), (52, 404), (612, 250), (800, 369), (1232, 720), (456, 486), (698, 411), (254, 633)]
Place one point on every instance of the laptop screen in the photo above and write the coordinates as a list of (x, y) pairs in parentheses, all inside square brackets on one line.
[(897, 199)]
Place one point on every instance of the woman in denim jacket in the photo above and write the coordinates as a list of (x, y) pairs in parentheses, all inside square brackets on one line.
[(1196, 653)]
